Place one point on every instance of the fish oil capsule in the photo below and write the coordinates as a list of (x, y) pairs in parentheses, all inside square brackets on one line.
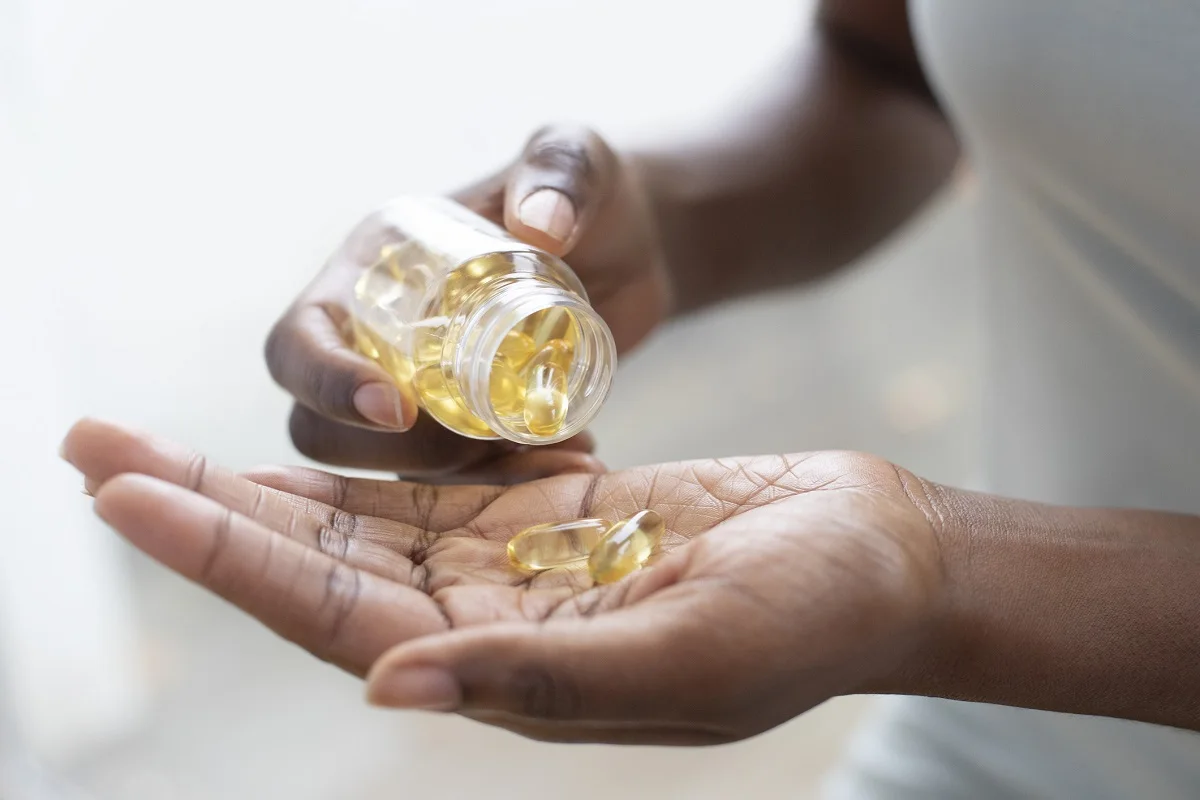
[(469, 276), (625, 547), (364, 340), (428, 337), (546, 399), (556, 544), (506, 389), (437, 400), (558, 352), (517, 348), (553, 323)]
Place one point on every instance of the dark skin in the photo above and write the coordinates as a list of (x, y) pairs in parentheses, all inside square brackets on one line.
[(786, 580)]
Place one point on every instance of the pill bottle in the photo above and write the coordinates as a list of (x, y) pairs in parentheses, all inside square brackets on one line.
[(496, 337)]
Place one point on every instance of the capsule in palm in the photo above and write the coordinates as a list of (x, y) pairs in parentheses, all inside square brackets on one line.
[(625, 547), (556, 544)]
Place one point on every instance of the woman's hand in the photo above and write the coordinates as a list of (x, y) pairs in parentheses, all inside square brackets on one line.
[(567, 193), (786, 580)]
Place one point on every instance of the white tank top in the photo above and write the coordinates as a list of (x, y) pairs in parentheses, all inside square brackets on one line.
[(1082, 119)]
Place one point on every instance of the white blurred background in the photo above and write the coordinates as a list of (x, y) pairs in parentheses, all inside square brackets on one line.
[(172, 173)]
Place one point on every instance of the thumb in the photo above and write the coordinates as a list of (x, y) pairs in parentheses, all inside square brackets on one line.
[(557, 185), (630, 665)]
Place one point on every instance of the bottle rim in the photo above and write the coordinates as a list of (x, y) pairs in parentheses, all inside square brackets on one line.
[(509, 301)]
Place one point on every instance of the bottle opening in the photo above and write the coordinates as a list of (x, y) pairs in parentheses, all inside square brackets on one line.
[(535, 360)]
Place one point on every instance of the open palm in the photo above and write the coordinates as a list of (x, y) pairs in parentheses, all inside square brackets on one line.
[(350, 568)]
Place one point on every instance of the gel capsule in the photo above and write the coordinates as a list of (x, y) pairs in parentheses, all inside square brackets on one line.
[(506, 389), (553, 323), (625, 547), (558, 352), (429, 335), (440, 404), (556, 544), (464, 280), (517, 348), (546, 400)]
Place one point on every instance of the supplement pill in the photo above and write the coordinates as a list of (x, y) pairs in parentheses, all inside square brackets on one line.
[(507, 390), (546, 400), (556, 544), (625, 547), (435, 397), (558, 352), (517, 349)]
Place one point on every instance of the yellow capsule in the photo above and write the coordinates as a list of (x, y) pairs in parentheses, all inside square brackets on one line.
[(364, 341), (558, 352), (440, 404), (571, 334), (556, 544), (517, 348), (428, 336), (505, 389), (552, 323), (463, 280), (546, 400), (488, 266), (625, 547)]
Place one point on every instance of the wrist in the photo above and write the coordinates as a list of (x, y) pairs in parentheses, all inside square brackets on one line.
[(923, 646), (1076, 610)]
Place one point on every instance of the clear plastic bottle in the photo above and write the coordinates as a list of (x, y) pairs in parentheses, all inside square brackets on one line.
[(496, 336)]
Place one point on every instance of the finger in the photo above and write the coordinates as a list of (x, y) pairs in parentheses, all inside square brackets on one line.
[(426, 450), (491, 513), (555, 187), (604, 668), (308, 351), (526, 466), (338, 613), (308, 356), (686, 735), (583, 442), (428, 506), (649, 663), (101, 451), (485, 197)]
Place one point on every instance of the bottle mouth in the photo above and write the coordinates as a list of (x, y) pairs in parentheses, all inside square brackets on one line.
[(511, 302)]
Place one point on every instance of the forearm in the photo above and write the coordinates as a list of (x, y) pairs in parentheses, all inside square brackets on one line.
[(1086, 611), (843, 147)]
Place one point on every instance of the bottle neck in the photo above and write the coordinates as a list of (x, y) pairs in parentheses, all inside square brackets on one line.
[(491, 312)]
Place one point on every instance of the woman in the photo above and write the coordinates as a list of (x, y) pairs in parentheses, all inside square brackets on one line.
[(817, 574)]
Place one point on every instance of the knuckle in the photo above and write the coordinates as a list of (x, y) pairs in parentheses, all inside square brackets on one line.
[(343, 589), (210, 572), (195, 472), (333, 542)]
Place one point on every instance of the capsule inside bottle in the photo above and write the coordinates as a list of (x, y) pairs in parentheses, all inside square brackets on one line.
[(556, 544), (439, 403), (625, 547), (546, 400), (517, 349)]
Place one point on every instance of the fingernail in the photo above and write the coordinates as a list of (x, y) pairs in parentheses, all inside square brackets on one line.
[(90, 487), (549, 211), (425, 688), (380, 403)]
